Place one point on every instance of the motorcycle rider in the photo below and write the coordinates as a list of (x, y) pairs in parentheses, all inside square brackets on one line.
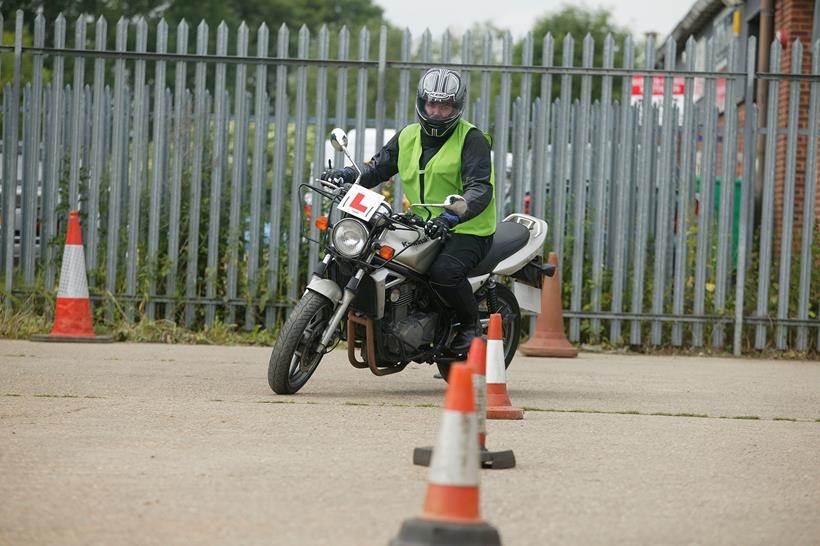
[(441, 155)]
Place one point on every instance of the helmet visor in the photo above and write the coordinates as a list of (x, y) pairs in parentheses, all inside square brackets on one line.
[(440, 110)]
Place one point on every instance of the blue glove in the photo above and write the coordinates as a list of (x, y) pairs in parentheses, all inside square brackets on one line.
[(440, 225), (340, 176)]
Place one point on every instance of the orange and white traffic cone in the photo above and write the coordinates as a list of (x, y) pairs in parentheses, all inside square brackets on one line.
[(451, 512), (72, 316), (477, 362), (549, 338), (498, 401)]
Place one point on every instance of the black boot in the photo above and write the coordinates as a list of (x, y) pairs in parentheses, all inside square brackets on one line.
[(464, 337)]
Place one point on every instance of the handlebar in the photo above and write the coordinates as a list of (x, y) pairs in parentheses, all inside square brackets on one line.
[(326, 189), (408, 218)]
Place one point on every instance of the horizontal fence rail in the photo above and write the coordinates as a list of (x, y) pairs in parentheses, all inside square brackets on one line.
[(184, 149)]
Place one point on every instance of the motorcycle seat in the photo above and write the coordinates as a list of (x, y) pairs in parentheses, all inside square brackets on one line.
[(509, 238)]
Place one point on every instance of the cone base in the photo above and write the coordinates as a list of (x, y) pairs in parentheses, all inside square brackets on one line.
[(422, 456), (495, 460), (505, 412), (425, 532), (555, 346), (72, 339)]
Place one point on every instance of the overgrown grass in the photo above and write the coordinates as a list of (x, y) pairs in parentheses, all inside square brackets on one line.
[(165, 331), (601, 334), (28, 317), (24, 318)]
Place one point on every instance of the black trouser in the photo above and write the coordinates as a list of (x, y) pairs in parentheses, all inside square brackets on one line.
[(448, 274)]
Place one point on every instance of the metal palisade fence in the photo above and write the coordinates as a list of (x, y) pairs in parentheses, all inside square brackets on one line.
[(185, 155)]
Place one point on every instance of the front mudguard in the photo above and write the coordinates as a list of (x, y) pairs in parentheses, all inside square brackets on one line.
[(327, 288)]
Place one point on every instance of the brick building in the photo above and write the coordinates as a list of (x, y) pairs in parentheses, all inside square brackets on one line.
[(721, 20)]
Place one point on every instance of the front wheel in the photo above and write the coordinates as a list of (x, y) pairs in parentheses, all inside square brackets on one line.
[(294, 357), (510, 312)]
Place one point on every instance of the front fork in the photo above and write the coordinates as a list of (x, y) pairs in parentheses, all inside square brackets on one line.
[(349, 294)]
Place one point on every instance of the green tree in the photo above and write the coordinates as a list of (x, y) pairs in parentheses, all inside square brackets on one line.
[(294, 13), (313, 13), (71, 9), (479, 32), (7, 60), (578, 22)]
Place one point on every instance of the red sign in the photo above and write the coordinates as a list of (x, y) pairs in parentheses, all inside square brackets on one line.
[(361, 202), (357, 203), (657, 85)]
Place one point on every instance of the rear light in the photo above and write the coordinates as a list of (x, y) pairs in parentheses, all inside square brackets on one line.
[(386, 252), (321, 223)]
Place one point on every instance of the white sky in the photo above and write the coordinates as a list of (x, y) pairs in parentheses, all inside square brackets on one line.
[(519, 16)]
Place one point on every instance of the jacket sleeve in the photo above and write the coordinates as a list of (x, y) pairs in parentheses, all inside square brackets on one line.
[(383, 165), (476, 168)]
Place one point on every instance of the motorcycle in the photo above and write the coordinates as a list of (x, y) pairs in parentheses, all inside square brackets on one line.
[(371, 288)]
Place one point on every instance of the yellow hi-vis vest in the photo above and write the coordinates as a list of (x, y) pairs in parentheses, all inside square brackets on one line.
[(442, 176)]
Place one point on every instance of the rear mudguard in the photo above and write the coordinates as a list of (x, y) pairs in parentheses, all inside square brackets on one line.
[(535, 246)]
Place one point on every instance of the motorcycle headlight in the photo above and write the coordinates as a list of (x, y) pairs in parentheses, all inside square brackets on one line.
[(349, 237)]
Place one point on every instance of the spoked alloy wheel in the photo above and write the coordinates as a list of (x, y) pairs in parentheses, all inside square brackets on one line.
[(294, 358)]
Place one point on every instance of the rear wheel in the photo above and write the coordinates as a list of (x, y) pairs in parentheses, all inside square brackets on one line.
[(510, 312), (294, 357)]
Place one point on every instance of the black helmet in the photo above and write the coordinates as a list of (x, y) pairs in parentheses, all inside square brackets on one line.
[(440, 85)]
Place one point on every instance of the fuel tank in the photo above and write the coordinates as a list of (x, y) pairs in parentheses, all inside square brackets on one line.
[(417, 257)]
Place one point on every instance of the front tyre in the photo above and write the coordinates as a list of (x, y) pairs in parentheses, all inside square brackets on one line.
[(294, 358)]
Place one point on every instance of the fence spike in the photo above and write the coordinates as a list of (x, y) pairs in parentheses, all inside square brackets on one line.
[(787, 213)]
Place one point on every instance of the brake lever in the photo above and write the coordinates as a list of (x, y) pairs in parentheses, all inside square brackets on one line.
[(410, 220), (325, 183)]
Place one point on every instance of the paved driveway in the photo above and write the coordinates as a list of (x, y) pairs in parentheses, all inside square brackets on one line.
[(159, 444)]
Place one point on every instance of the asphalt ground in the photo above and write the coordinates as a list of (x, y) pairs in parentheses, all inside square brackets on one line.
[(161, 444)]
